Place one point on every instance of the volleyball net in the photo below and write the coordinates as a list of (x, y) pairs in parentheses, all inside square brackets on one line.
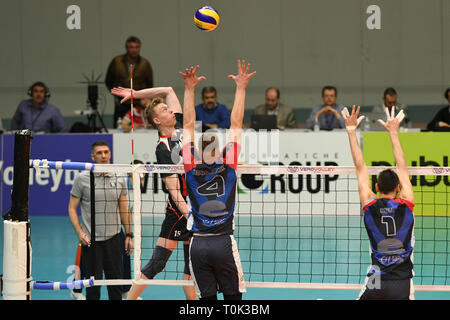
[(296, 226), (302, 226)]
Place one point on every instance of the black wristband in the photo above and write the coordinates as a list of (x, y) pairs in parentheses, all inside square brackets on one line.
[(131, 235)]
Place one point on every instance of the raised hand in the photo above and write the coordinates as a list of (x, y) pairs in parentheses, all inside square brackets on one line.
[(243, 75), (190, 77), (125, 93), (392, 123), (352, 121)]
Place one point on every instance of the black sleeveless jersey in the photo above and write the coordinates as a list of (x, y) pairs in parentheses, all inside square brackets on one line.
[(168, 151)]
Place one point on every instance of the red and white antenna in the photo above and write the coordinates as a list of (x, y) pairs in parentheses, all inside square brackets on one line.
[(132, 115)]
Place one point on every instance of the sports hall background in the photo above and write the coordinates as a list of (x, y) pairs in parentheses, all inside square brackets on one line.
[(296, 45)]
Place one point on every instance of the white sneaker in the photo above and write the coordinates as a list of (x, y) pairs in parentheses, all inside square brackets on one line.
[(77, 295)]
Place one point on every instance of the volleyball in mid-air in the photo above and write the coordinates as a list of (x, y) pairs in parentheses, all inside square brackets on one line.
[(206, 18)]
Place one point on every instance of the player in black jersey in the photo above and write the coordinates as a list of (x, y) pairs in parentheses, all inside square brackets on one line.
[(168, 119), (211, 181), (388, 218)]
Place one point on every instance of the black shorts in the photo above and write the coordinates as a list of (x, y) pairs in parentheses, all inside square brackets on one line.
[(174, 226), (216, 266), (388, 290)]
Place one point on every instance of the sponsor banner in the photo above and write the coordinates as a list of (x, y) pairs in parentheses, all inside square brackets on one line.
[(49, 189), (421, 150), (303, 193)]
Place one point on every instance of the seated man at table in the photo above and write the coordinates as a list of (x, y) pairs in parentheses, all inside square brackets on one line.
[(328, 114), (390, 100), (441, 121), (285, 114), (139, 121), (37, 114), (211, 113)]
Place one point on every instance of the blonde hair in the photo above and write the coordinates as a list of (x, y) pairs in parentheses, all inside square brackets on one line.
[(149, 111)]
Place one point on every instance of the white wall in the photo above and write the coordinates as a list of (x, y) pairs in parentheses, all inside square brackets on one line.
[(296, 45)]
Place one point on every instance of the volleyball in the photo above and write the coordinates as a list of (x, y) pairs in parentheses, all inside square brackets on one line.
[(206, 18)]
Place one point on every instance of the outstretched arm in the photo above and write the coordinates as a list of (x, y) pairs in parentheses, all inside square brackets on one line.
[(166, 93), (392, 125), (190, 81), (352, 121), (237, 113)]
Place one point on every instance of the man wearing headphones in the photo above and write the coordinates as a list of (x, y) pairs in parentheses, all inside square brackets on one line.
[(37, 114)]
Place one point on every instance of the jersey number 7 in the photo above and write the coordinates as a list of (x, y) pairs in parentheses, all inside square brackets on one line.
[(389, 222)]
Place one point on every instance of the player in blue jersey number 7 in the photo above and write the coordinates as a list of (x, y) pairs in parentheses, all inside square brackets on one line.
[(388, 218), (211, 182)]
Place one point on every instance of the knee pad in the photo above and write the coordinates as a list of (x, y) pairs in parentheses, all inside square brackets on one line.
[(187, 270), (157, 263)]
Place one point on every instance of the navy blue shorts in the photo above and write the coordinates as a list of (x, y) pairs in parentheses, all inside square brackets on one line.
[(216, 266), (389, 290)]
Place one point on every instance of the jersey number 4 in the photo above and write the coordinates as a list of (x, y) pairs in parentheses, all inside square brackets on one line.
[(215, 186)]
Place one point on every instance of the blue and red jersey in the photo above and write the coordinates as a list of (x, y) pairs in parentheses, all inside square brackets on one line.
[(212, 190), (390, 224)]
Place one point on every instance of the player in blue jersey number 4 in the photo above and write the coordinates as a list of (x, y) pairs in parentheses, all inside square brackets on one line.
[(211, 182), (388, 218)]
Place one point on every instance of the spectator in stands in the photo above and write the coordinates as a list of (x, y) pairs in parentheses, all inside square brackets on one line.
[(37, 114), (328, 114), (211, 113), (389, 102), (285, 114), (118, 74), (441, 121), (139, 121)]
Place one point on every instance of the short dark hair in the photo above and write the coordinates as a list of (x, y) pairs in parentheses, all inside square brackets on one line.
[(209, 89), (132, 39), (389, 91), (446, 93), (99, 143), (276, 89), (387, 181), (329, 88)]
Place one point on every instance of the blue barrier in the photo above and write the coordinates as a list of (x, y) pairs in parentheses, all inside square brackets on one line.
[(50, 285)]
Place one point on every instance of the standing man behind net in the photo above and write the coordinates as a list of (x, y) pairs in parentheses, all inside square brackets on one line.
[(211, 181), (389, 218), (109, 215), (118, 74), (168, 119)]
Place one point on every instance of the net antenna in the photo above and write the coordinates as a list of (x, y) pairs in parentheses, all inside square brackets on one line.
[(17, 247), (132, 114), (93, 114), (136, 218)]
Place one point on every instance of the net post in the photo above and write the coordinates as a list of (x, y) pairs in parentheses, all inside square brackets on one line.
[(17, 247), (137, 224), (93, 244)]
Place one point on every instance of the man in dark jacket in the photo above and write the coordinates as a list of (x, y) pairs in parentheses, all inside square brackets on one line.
[(441, 121), (118, 74)]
